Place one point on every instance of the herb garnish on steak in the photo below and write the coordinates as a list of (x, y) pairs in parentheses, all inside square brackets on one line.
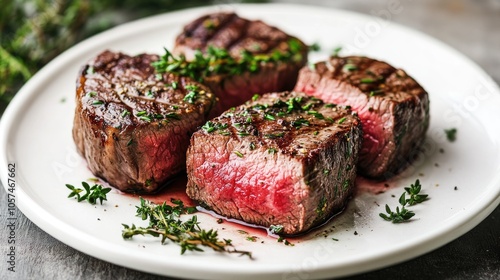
[(283, 159)]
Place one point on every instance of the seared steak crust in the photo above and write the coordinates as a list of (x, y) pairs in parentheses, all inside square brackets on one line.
[(133, 126), (284, 159), (238, 36), (392, 106)]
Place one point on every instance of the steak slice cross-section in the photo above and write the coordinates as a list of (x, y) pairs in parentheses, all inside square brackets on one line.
[(392, 106), (268, 59), (284, 159), (132, 125)]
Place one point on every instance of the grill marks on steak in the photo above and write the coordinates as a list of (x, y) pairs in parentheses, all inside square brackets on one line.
[(284, 159), (132, 126), (237, 35), (393, 108), (231, 32)]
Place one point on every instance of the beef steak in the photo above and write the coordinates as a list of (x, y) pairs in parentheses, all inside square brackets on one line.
[(274, 58), (392, 106), (132, 125), (284, 159)]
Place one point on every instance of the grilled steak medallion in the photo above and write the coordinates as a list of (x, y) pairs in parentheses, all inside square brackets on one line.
[(133, 126), (393, 108), (284, 159), (265, 58)]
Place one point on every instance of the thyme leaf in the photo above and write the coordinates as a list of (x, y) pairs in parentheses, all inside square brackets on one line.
[(414, 191), (400, 216), (192, 95), (336, 51), (451, 134)]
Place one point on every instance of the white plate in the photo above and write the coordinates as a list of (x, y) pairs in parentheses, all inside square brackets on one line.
[(36, 136)]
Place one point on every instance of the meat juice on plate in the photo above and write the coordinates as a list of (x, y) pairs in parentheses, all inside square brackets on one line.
[(176, 189)]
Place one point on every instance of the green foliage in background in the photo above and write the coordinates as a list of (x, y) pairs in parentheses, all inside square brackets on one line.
[(32, 32)]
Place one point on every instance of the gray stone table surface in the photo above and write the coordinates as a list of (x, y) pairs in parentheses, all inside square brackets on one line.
[(471, 27)]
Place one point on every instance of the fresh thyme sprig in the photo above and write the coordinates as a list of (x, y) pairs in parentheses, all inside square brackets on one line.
[(218, 61), (403, 214), (92, 194), (164, 221)]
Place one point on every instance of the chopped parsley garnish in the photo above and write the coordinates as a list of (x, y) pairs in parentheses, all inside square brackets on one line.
[(252, 238), (192, 94), (97, 102), (342, 120), (316, 114), (272, 151), (336, 51), (315, 47), (349, 67), (217, 61), (295, 109), (209, 24), (172, 116), (275, 135), (211, 126), (269, 117), (376, 92), (242, 133), (300, 122), (90, 70), (414, 192), (145, 118)]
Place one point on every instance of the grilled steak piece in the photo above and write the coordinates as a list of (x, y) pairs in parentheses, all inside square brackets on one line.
[(284, 159), (132, 126), (268, 59), (393, 108)]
